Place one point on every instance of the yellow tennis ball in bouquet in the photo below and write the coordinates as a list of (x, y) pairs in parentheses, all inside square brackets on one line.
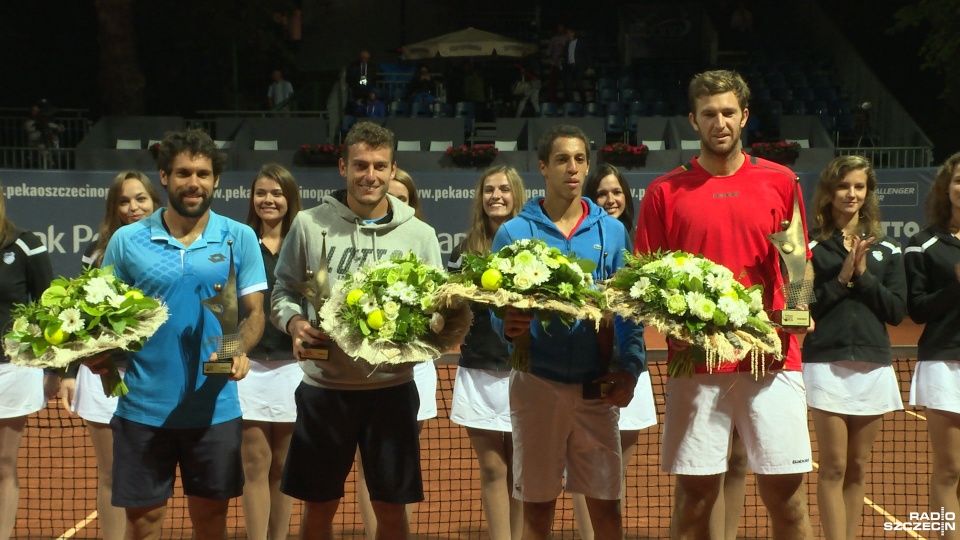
[(136, 295), (56, 337), (491, 279), (561, 259), (376, 318), (354, 296)]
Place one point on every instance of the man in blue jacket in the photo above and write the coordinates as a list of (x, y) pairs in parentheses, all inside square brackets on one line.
[(556, 427)]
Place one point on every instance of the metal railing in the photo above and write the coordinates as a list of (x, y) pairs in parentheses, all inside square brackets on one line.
[(23, 157), (892, 157), (75, 122)]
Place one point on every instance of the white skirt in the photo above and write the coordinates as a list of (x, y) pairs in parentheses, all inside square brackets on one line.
[(481, 399), (266, 393), (425, 377), (89, 401), (641, 413), (851, 387), (21, 390), (936, 385)]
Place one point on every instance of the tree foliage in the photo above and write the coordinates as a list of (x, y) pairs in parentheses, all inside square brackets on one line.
[(940, 51)]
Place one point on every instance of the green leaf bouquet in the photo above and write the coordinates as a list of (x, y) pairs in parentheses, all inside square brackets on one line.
[(80, 318)]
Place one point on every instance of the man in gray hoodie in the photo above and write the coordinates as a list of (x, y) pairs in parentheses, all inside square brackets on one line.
[(345, 403)]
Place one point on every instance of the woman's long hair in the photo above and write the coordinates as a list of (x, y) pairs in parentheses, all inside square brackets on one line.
[(413, 200), (939, 207), (111, 212), (288, 185), (7, 229), (823, 197), (480, 236)]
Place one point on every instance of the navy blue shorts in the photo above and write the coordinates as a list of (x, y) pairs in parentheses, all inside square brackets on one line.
[(145, 460), (331, 424)]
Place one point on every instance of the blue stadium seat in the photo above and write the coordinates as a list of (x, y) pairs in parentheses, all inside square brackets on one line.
[(629, 94), (613, 124), (421, 110), (606, 95), (606, 82), (550, 109), (593, 109), (639, 108), (399, 109), (614, 107), (661, 108), (572, 108), (627, 81)]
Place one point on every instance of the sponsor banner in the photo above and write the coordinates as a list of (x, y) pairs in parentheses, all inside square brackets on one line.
[(66, 207)]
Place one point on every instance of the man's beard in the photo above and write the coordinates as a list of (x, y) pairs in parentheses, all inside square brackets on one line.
[(177, 204)]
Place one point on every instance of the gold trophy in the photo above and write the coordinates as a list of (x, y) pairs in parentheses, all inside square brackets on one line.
[(225, 309), (792, 246), (316, 289)]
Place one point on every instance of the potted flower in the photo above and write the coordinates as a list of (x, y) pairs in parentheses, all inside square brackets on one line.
[(625, 155), (319, 154), (782, 152), (477, 155)]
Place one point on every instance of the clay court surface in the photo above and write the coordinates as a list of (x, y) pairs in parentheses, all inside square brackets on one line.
[(58, 486)]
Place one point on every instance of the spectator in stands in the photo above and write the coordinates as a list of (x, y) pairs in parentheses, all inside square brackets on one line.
[(608, 188), (741, 26), (23, 390), (424, 373), (131, 197), (474, 88), (422, 88), (577, 60), (279, 93), (932, 262), (481, 401), (556, 51), (847, 368), (361, 76), (266, 393), (344, 403), (371, 107), (174, 414), (689, 209), (557, 419), (43, 133), (527, 89)]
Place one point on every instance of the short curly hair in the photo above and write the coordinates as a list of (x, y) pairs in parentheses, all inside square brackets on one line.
[(373, 135), (194, 142), (720, 81)]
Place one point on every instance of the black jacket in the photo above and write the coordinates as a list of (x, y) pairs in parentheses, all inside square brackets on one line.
[(482, 348), (933, 292), (851, 321), (24, 274), (275, 344)]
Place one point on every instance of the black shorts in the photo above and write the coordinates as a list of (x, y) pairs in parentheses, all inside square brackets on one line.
[(331, 424), (145, 460)]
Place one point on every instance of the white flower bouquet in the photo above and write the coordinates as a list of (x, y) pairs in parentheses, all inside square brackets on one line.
[(385, 313), (529, 275), (695, 300), (82, 317)]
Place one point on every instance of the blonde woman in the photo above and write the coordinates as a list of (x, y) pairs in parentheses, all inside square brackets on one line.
[(847, 365), (481, 389)]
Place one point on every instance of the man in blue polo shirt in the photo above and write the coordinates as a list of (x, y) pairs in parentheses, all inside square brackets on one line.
[(174, 414)]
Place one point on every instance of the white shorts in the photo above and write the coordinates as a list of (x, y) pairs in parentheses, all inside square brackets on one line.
[(851, 387), (481, 399), (21, 390), (89, 401), (770, 415), (554, 429), (936, 385), (266, 393), (425, 377), (641, 413)]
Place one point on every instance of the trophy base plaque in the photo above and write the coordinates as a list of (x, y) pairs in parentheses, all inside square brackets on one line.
[(228, 347), (218, 367), (794, 318), (596, 390), (314, 352)]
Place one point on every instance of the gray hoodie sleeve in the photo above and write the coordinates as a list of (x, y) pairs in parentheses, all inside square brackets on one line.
[(286, 301)]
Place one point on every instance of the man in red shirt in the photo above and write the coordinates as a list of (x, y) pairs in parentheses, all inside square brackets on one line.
[(722, 205)]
